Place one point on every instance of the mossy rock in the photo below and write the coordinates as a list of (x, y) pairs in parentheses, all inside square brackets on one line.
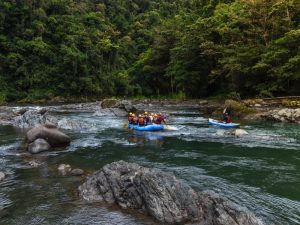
[(109, 103), (237, 108), (252, 102)]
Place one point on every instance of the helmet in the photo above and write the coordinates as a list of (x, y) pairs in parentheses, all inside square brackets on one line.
[(133, 114), (130, 114), (140, 116), (155, 114), (146, 113), (152, 114)]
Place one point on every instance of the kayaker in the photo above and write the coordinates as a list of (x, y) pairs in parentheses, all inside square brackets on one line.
[(227, 118), (141, 121), (130, 118), (160, 119), (135, 119), (147, 118)]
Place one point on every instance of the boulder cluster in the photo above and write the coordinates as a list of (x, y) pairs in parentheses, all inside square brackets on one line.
[(43, 137), (283, 115)]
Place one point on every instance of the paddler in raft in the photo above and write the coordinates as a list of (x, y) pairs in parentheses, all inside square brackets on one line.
[(141, 121), (130, 118), (160, 119), (135, 120), (147, 118)]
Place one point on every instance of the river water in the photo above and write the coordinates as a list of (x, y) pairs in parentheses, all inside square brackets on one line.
[(260, 171)]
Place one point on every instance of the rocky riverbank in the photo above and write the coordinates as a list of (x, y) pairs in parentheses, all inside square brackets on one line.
[(251, 109)]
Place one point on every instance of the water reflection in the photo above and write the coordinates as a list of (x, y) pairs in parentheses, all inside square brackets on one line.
[(145, 138)]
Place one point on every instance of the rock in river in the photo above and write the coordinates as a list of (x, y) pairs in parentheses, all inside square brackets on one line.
[(50, 133), (162, 196), (64, 169), (32, 118), (39, 145), (77, 172), (240, 132)]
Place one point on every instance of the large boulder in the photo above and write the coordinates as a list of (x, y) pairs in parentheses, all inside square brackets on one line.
[(39, 145), (50, 133), (162, 196)]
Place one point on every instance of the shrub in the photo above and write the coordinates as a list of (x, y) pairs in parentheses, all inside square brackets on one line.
[(234, 95), (265, 94)]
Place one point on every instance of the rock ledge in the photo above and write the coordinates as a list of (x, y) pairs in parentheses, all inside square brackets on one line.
[(162, 196)]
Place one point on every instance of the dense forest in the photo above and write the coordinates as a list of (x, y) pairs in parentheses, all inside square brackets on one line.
[(195, 48)]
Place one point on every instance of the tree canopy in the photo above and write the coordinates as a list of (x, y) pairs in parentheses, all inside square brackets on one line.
[(148, 47)]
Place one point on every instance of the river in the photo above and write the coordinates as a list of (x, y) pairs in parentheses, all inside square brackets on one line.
[(260, 171)]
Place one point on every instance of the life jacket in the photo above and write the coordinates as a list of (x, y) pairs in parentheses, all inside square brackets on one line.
[(130, 119), (159, 119), (228, 119), (141, 121), (135, 120)]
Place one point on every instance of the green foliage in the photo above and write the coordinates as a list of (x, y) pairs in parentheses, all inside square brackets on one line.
[(178, 49), (290, 103), (234, 96), (180, 96)]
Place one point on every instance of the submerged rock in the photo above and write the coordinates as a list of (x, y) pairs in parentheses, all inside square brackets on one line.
[(77, 172), (39, 145), (2, 176), (240, 132), (68, 124), (64, 169), (110, 112), (162, 196), (50, 133), (34, 164)]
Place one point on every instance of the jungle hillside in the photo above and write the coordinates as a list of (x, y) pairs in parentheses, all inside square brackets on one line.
[(192, 48)]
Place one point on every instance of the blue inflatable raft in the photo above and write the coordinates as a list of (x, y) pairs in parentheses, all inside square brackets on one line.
[(152, 127), (221, 124)]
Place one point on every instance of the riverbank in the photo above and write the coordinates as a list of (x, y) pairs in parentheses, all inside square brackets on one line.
[(273, 109)]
